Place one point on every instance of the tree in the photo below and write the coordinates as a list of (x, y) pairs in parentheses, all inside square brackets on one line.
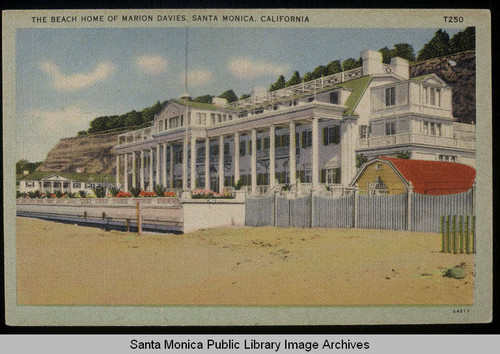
[(294, 80), (308, 76), (279, 84), (333, 67), (387, 54), (204, 99), (98, 125), (244, 96), (438, 46), (463, 40), (405, 51), (350, 64), (229, 95), (319, 71), (133, 118), (25, 165)]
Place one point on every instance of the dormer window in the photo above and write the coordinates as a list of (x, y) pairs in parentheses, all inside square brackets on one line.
[(390, 96), (432, 96)]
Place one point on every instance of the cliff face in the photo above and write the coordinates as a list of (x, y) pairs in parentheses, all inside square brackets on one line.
[(461, 77), (92, 154)]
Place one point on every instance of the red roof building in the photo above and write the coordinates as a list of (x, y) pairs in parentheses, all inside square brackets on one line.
[(426, 177)]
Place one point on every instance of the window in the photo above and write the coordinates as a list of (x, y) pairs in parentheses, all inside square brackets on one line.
[(449, 158), (160, 128), (214, 150), (76, 185), (267, 143), (243, 114), (334, 97), (226, 149), (212, 118), (330, 175), (331, 135), (432, 96), (390, 128), (275, 107), (29, 184), (306, 139), (200, 152), (390, 96), (431, 128), (243, 150), (310, 99), (363, 131), (259, 144)]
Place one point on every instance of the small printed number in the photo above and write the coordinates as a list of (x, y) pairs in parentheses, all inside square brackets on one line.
[(453, 19), (461, 311)]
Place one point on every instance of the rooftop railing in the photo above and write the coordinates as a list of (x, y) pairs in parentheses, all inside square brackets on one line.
[(296, 91)]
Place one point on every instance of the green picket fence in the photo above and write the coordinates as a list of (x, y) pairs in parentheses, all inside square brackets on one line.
[(458, 234)]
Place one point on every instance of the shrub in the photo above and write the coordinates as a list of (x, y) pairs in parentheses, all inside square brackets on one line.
[(135, 191), (455, 273), (100, 192), (286, 188), (238, 184), (113, 191), (82, 194), (59, 194), (170, 194), (160, 190)]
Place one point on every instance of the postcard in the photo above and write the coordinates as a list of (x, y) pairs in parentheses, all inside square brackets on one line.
[(247, 167)]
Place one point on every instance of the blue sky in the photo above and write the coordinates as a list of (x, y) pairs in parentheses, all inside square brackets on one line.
[(67, 77)]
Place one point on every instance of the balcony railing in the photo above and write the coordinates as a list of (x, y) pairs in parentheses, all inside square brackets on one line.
[(136, 135), (408, 138), (296, 91)]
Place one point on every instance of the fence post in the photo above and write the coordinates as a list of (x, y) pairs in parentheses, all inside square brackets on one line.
[(355, 204), (454, 229), (409, 209), (275, 201), (448, 243), (473, 229), (460, 227), (139, 217), (443, 239), (312, 209), (467, 235)]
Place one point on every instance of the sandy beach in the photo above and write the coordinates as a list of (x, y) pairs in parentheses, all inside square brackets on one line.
[(60, 264)]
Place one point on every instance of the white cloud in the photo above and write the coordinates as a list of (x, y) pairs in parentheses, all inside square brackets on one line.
[(244, 68), (197, 77), (152, 64), (39, 130), (77, 81)]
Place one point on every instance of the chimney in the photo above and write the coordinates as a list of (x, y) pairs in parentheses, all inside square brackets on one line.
[(402, 67), (372, 62)]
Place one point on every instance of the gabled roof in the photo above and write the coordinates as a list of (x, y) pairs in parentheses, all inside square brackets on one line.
[(434, 177), (73, 176), (428, 77)]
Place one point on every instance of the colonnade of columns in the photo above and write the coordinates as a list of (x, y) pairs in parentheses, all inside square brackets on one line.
[(158, 159)]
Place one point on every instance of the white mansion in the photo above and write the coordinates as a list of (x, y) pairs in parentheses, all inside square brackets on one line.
[(307, 135)]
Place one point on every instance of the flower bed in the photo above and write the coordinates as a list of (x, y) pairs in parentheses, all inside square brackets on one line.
[(208, 194)]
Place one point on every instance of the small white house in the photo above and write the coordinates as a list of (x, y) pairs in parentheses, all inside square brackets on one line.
[(66, 182)]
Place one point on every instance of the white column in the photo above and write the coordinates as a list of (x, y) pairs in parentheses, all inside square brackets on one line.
[(117, 171), (142, 170), (150, 187), (158, 164), (184, 164), (193, 162), (272, 157), (125, 172), (134, 170), (207, 163), (314, 152), (164, 166), (292, 160), (236, 157), (171, 177), (254, 161), (221, 163)]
